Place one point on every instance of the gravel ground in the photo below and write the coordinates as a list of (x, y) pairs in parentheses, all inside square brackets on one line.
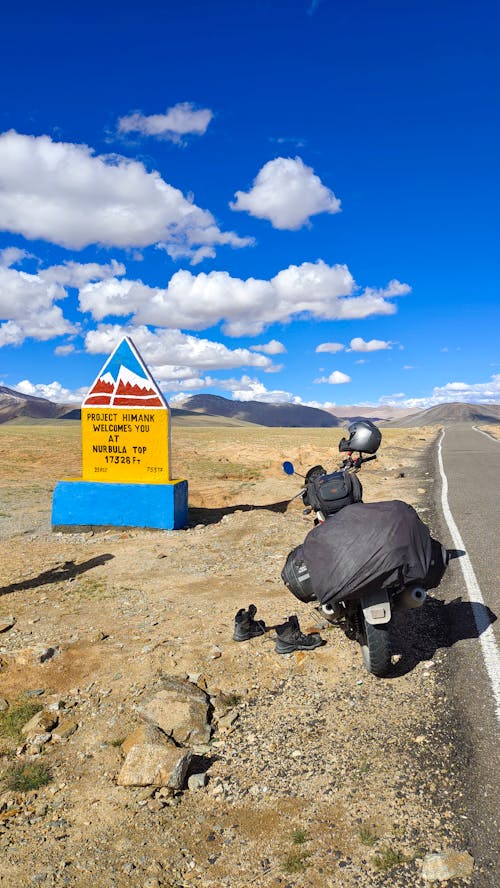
[(322, 775)]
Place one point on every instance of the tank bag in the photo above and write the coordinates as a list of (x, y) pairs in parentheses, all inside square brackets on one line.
[(330, 493)]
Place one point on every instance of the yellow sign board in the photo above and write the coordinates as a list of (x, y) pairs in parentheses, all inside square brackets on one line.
[(125, 444), (125, 423)]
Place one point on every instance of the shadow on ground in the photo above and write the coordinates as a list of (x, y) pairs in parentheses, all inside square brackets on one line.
[(213, 516), (66, 571), (418, 634)]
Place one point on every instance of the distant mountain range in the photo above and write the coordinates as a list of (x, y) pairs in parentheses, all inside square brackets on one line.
[(213, 409), (14, 404), (448, 414), (356, 411), (295, 415), (261, 413)]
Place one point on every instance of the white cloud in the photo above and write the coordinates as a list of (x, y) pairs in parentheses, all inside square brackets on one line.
[(244, 389), (270, 348), (335, 378), (180, 120), (173, 355), (193, 383), (27, 303), (11, 334), (359, 345), (373, 301), (320, 405), (13, 256), (77, 274), (61, 192), (246, 307), (52, 391), (64, 350), (464, 392), (287, 193), (248, 389), (332, 347)]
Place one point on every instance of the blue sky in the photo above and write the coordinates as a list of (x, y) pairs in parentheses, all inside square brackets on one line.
[(293, 200)]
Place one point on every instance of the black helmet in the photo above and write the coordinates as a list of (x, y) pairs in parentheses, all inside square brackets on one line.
[(295, 576), (364, 437)]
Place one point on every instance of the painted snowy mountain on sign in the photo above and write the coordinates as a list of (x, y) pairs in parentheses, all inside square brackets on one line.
[(124, 381)]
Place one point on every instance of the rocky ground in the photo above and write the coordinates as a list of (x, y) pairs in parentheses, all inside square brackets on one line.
[(303, 770)]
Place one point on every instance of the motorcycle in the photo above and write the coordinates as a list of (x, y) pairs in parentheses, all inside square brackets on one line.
[(340, 567)]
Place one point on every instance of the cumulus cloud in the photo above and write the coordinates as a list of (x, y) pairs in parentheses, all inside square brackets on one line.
[(52, 391), (61, 192), (11, 334), (335, 378), (181, 120), (320, 405), (374, 301), (13, 256), (246, 307), (359, 345), (465, 392), (287, 193), (248, 389), (244, 389), (332, 347), (270, 348), (77, 274), (28, 302), (172, 355)]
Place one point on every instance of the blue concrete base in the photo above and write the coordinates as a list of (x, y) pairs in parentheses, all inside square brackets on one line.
[(77, 504)]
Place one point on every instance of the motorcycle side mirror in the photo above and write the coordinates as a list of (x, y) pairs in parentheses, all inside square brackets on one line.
[(288, 468)]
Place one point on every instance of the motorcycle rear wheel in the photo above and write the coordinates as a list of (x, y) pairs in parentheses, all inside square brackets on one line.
[(376, 649)]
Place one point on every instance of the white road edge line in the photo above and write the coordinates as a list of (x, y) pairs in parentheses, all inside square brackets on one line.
[(486, 435), (491, 654)]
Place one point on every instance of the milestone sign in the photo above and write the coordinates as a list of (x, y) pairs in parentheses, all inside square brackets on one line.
[(125, 423)]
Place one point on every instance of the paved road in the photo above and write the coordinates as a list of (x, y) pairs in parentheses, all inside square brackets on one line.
[(470, 507)]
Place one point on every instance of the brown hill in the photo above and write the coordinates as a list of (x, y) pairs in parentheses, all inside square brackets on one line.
[(448, 414), (14, 404), (261, 413), (350, 412)]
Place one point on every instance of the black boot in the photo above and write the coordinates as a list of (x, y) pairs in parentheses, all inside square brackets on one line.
[(290, 638), (245, 626)]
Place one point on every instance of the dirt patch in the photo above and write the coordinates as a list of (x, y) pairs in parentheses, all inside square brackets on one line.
[(325, 771)]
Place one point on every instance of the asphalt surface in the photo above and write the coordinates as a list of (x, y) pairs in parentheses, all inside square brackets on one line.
[(470, 459)]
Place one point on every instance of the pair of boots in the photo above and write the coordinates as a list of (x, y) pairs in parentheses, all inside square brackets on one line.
[(289, 637)]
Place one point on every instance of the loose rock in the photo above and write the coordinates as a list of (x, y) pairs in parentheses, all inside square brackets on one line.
[(180, 709), (42, 721), (447, 865), (155, 765)]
